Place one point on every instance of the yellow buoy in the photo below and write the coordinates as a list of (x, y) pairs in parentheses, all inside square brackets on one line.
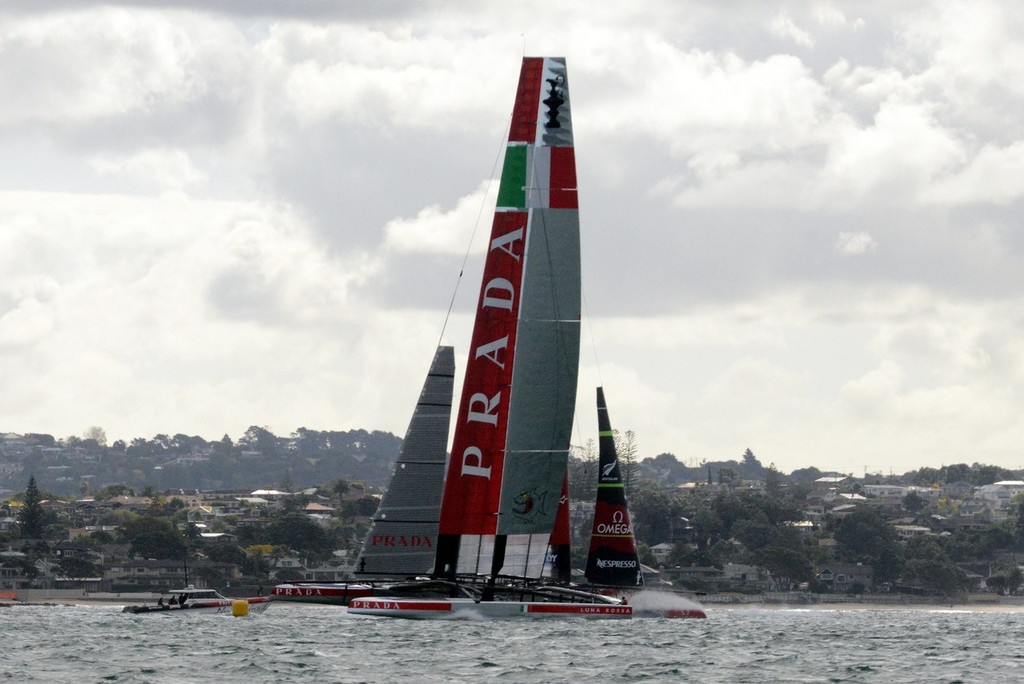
[(240, 608)]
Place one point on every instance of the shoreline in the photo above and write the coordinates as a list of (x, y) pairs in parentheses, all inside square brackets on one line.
[(805, 601)]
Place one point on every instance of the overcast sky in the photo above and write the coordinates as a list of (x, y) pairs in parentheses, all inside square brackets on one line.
[(801, 221)]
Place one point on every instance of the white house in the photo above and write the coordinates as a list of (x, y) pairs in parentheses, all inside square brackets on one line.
[(1000, 495)]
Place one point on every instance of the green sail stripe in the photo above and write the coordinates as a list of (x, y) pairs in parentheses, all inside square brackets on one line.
[(512, 191), (617, 485), (609, 433)]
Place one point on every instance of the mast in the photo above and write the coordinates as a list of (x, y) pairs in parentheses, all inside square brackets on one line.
[(613, 560), (510, 449)]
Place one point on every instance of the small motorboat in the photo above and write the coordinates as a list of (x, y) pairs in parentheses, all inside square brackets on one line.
[(202, 600)]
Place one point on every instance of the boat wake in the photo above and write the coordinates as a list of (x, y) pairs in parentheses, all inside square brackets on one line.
[(663, 604)]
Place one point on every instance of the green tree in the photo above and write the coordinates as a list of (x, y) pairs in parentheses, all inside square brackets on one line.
[(755, 533), (152, 537), (114, 490), (727, 477), (1014, 580), (259, 439), (364, 506), (227, 553), (1018, 528), (864, 536), (934, 575), (159, 544), (101, 537), (707, 527), (96, 434), (914, 502), (339, 488), (788, 567), (996, 583), (583, 463), (773, 481), (298, 532), (626, 448), (652, 512), (31, 516), (77, 567)]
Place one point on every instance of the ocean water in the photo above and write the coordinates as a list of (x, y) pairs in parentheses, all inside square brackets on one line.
[(300, 643)]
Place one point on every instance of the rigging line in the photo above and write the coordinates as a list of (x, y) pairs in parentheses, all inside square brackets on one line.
[(593, 340), (476, 225)]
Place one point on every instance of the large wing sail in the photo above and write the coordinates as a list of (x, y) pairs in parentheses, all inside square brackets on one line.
[(510, 448)]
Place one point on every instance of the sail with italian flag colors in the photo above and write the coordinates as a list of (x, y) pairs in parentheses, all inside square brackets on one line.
[(514, 419)]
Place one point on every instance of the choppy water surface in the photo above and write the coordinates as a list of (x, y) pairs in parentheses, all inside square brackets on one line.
[(297, 643)]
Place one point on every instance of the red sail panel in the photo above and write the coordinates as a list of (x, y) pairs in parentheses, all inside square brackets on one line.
[(473, 484), (563, 178), (524, 116), (560, 533)]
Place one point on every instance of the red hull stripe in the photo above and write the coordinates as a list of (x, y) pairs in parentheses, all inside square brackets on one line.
[(578, 609)]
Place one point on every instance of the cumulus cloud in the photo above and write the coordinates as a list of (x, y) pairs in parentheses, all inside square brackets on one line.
[(855, 243), (785, 27), (434, 231), (101, 64), (800, 221), (994, 175), (163, 169)]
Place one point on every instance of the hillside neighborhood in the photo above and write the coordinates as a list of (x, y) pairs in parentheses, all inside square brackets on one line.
[(90, 517)]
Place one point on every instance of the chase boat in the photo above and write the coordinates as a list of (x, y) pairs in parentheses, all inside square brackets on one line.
[(202, 600)]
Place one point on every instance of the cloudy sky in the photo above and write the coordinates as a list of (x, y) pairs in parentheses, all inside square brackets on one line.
[(802, 221)]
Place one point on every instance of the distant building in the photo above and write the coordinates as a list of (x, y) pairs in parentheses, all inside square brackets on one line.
[(662, 551), (830, 482), (1000, 495), (907, 532), (843, 576)]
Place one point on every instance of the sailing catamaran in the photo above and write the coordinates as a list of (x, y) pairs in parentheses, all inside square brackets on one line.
[(502, 544)]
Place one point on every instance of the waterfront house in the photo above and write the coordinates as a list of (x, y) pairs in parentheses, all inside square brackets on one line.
[(844, 577)]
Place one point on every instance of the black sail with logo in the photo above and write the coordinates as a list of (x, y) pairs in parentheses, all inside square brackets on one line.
[(612, 560)]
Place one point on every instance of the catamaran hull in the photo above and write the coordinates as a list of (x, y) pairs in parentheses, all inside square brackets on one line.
[(468, 609), (326, 593)]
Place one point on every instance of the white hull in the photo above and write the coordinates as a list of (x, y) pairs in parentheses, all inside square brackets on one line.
[(467, 609)]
